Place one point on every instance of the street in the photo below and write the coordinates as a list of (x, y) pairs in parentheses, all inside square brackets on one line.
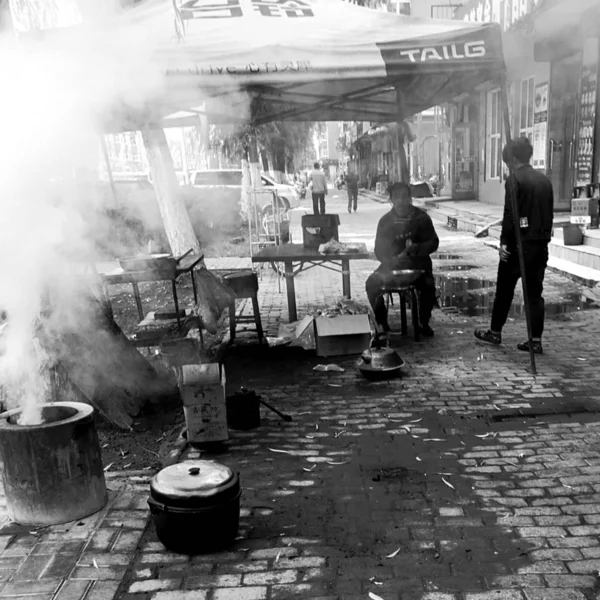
[(467, 479)]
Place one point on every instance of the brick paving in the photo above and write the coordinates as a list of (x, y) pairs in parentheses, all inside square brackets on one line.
[(467, 479)]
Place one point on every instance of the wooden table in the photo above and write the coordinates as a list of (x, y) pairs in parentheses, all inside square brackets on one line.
[(120, 276), (296, 258)]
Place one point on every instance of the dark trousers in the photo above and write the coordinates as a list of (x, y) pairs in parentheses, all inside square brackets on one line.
[(535, 255), (381, 279), (318, 202), (352, 199)]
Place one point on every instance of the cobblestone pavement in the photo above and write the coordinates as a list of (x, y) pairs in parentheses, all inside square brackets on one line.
[(467, 479)]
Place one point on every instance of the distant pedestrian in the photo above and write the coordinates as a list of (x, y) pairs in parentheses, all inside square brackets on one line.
[(352, 185), (318, 184), (535, 201)]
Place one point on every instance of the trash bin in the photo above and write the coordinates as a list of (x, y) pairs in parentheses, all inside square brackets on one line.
[(572, 235), (319, 229)]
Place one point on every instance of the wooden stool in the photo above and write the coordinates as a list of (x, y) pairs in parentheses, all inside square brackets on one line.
[(244, 285), (411, 294)]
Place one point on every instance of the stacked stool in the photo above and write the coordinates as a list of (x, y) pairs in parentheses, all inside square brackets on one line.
[(405, 293), (244, 285)]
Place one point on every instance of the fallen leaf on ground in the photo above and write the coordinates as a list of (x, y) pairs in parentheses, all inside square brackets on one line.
[(95, 563), (434, 440), (344, 462), (483, 435), (337, 435), (394, 553), (278, 555), (311, 469), (334, 384), (578, 358), (416, 420), (418, 459), (448, 484), (107, 467), (374, 596), (280, 451)]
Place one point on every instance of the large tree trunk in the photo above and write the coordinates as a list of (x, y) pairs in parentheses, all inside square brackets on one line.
[(175, 217), (254, 166), (246, 208)]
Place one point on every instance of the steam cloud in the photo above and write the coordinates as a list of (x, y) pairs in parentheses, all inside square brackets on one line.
[(55, 89)]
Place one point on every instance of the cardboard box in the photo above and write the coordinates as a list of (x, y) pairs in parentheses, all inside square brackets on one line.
[(584, 207), (203, 394), (339, 336)]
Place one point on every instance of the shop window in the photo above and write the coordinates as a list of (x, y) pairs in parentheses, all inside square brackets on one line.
[(526, 108), (494, 136)]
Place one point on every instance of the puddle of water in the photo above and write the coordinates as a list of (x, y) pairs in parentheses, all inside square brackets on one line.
[(475, 297), (447, 256), (456, 267)]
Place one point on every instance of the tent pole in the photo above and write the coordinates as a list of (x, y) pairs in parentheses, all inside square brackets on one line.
[(512, 193), (402, 163)]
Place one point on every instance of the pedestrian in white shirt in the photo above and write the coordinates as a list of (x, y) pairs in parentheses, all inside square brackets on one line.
[(318, 184)]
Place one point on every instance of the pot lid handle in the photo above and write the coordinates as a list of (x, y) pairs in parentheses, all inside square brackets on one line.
[(194, 471)]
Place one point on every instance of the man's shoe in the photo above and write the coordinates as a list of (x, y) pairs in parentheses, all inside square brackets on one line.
[(537, 347), (485, 335), (349, 210), (426, 330)]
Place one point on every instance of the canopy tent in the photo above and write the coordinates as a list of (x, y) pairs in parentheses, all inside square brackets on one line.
[(319, 60)]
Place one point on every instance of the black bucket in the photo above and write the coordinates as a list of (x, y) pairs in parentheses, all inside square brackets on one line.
[(243, 410)]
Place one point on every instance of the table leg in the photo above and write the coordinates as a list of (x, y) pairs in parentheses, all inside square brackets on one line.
[(138, 300), (346, 279), (194, 287), (291, 291), (176, 301)]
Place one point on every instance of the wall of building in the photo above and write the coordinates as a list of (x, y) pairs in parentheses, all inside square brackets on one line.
[(520, 66)]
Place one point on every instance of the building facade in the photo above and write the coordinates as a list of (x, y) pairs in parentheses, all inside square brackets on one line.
[(552, 55)]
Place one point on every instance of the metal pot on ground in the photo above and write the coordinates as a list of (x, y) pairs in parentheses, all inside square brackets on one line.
[(195, 506)]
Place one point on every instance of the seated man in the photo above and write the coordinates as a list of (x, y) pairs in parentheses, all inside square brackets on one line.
[(405, 238)]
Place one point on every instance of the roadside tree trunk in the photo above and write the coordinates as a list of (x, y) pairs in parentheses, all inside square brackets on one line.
[(246, 206), (175, 217)]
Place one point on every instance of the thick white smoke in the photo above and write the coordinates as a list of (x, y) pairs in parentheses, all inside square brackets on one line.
[(55, 91)]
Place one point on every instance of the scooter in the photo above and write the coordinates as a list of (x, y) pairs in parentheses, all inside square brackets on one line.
[(300, 189)]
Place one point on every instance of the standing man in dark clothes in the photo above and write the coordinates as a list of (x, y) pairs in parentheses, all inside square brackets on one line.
[(405, 238), (318, 183), (352, 185), (535, 201)]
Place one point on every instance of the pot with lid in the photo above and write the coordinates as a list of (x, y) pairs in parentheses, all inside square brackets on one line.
[(379, 363), (195, 506)]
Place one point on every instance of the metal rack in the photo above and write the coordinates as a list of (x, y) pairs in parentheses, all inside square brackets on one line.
[(264, 224)]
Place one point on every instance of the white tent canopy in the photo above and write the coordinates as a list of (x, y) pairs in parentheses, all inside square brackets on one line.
[(263, 60), (319, 60)]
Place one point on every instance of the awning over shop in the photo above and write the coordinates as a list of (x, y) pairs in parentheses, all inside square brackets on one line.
[(321, 60)]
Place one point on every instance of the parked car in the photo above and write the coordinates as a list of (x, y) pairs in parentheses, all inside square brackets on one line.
[(231, 179)]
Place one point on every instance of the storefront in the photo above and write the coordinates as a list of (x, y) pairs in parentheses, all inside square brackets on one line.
[(465, 149), (552, 87), (573, 51)]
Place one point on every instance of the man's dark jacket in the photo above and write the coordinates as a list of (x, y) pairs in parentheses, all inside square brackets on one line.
[(535, 200), (391, 236), (352, 181)]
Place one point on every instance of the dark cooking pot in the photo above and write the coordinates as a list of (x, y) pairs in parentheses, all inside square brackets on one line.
[(195, 506)]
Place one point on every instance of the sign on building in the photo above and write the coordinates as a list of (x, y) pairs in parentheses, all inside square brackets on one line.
[(540, 126)]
